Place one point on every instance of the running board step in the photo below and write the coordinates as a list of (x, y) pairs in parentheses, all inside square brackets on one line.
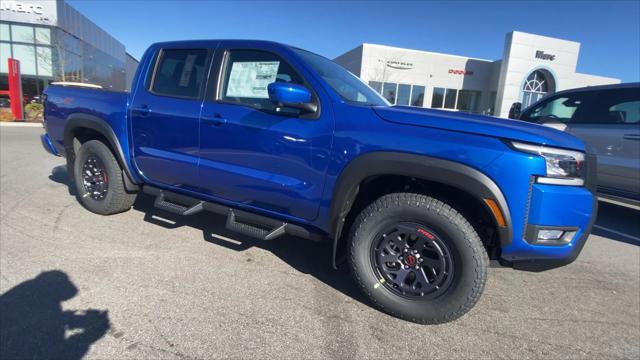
[(162, 203), (244, 222), (253, 231)]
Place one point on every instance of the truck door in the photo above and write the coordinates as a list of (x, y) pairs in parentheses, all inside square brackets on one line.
[(611, 128), (165, 117), (254, 154)]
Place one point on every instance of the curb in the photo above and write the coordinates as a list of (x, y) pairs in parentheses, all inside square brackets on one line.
[(20, 124)]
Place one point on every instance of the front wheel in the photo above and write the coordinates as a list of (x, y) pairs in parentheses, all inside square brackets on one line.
[(98, 180), (417, 258)]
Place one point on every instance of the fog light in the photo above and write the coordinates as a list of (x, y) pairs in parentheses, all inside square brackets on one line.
[(550, 234)]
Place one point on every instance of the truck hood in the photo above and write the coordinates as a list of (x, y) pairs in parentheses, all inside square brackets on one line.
[(479, 124)]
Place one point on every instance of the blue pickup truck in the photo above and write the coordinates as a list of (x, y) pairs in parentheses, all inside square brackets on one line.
[(284, 141)]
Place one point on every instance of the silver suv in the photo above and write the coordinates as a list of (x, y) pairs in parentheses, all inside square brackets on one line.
[(607, 119)]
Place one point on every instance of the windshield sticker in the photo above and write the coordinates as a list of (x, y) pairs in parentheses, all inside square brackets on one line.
[(186, 71), (250, 79)]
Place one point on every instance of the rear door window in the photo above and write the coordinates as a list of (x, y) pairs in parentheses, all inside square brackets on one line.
[(619, 106), (180, 73)]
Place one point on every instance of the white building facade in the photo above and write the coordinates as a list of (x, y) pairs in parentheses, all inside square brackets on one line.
[(532, 66)]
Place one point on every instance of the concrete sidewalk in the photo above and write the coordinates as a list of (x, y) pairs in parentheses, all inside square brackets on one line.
[(21, 124)]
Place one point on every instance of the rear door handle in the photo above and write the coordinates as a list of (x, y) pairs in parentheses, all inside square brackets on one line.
[(631, 136), (141, 110), (216, 120)]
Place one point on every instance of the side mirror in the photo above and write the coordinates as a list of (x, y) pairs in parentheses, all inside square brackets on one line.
[(291, 96), (515, 111)]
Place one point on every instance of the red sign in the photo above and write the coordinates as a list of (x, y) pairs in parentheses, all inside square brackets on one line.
[(460, 72), (15, 88)]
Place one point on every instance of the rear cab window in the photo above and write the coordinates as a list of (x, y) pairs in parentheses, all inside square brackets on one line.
[(179, 73)]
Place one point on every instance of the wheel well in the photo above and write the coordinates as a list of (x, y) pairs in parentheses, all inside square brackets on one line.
[(472, 208), (81, 135)]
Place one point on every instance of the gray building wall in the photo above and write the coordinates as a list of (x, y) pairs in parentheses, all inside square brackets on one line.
[(352, 60), (131, 67)]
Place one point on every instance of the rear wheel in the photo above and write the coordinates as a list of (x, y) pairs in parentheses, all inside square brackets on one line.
[(417, 258), (98, 180)]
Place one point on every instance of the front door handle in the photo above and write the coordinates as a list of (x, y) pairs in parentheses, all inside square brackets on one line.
[(216, 120), (631, 136), (142, 110)]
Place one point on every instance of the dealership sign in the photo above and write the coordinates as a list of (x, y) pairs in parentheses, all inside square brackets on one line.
[(400, 65), (36, 12), (460, 72), (544, 56)]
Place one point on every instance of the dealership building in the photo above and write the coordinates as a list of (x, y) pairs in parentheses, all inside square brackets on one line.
[(54, 42), (531, 67)]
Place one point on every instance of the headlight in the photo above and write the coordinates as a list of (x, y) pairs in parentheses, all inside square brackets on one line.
[(564, 167)]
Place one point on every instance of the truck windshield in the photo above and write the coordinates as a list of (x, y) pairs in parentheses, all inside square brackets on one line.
[(350, 88)]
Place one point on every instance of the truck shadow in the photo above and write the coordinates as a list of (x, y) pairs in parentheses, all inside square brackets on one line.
[(308, 257), (34, 326), (618, 222), (305, 256)]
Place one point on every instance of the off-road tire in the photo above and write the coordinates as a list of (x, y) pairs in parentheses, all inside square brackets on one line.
[(117, 199), (470, 259)]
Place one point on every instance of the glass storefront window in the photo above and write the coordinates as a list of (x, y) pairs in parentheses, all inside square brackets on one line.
[(417, 95), (26, 55), (45, 67), (468, 100), (43, 36), (376, 85), (30, 89), (404, 92), (21, 33), (389, 92), (69, 42), (438, 98), (4, 32), (5, 53), (450, 99)]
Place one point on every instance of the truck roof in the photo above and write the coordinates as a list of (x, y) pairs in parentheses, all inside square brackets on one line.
[(601, 87), (208, 42)]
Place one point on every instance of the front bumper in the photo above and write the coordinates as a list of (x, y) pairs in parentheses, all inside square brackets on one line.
[(47, 144), (554, 206), (563, 256)]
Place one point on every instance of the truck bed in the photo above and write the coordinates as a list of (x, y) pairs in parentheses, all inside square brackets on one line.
[(64, 102)]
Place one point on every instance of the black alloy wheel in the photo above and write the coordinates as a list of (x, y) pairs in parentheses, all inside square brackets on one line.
[(413, 261), (417, 258), (95, 178), (98, 180)]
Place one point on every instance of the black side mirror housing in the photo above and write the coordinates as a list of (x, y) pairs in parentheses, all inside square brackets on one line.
[(516, 110)]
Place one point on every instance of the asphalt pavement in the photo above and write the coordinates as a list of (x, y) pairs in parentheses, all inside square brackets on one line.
[(145, 284)]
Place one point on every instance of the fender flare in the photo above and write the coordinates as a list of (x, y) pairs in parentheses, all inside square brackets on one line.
[(88, 121), (421, 167)]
